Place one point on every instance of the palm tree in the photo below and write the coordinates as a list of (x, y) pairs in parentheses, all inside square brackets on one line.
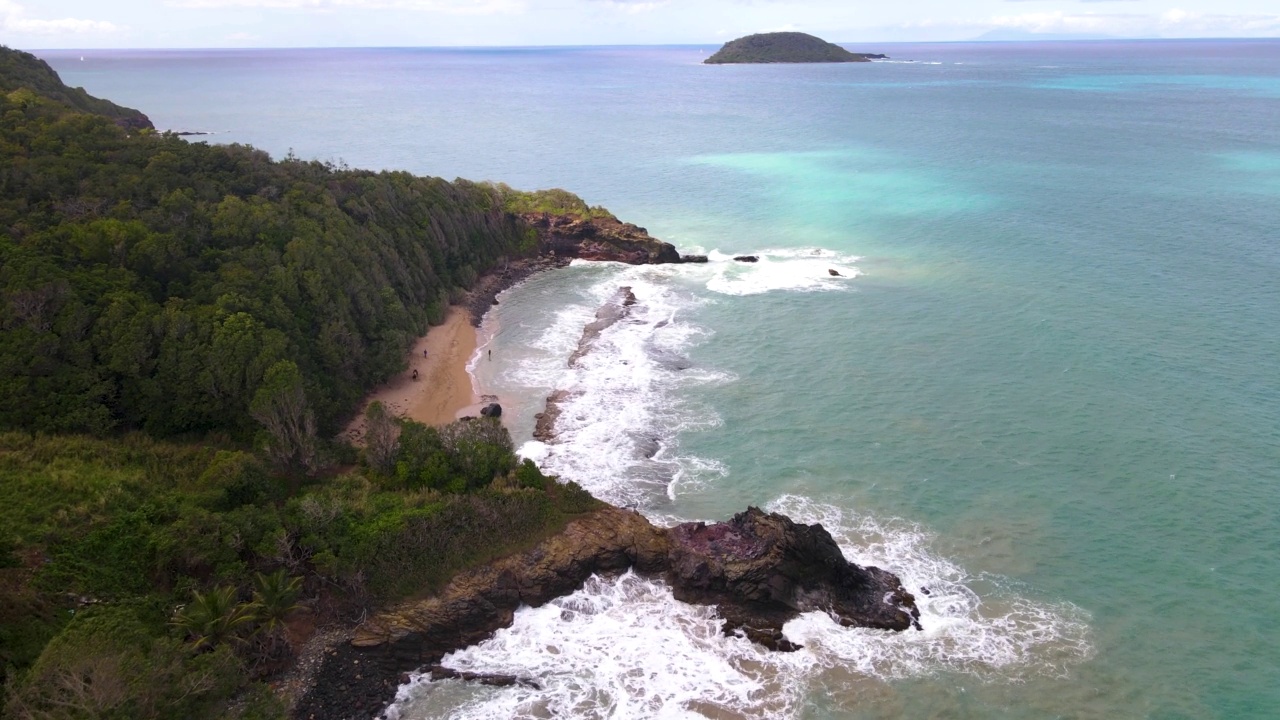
[(214, 617), (274, 599)]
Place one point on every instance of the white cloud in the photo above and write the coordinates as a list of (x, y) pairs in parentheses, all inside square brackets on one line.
[(1060, 22), (635, 7), (13, 18), (452, 7), (1172, 23), (1211, 23)]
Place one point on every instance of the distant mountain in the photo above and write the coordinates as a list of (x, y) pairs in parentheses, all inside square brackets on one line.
[(1013, 35), (784, 47), (23, 70)]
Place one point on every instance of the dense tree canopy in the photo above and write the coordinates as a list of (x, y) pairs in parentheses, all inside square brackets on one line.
[(151, 287), (151, 283)]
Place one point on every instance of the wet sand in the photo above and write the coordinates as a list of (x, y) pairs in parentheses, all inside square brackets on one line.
[(443, 389)]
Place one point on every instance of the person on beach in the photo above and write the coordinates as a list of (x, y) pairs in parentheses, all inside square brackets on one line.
[(490, 356), (415, 373)]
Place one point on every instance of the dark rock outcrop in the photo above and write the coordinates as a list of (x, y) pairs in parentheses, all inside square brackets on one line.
[(598, 238), (544, 425), (440, 672), (484, 294), (565, 237), (759, 569), (762, 569), (833, 272), (746, 258), (491, 410), (614, 309)]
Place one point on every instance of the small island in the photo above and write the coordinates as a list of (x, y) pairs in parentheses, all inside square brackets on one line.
[(785, 47)]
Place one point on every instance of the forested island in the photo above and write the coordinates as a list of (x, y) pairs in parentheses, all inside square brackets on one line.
[(785, 47), (183, 328)]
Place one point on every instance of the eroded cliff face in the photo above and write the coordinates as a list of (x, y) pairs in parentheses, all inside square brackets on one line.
[(601, 238)]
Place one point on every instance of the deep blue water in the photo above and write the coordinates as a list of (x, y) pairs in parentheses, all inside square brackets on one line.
[(1052, 392)]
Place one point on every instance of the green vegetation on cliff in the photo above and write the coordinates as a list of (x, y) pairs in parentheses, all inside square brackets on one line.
[(21, 71), (108, 541), (784, 47), (181, 326), (151, 283), (552, 202)]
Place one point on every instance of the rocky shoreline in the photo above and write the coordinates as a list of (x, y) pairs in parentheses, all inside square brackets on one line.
[(758, 569), (564, 238)]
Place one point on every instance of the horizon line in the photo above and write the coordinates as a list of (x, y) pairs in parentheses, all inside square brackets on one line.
[(974, 41)]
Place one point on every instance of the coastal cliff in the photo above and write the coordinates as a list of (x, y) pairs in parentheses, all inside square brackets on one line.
[(566, 232), (23, 71), (601, 238)]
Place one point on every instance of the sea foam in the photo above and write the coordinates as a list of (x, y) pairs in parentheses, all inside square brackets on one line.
[(623, 647), (618, 427)]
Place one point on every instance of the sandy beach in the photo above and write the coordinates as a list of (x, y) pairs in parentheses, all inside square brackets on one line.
[(443, 387)]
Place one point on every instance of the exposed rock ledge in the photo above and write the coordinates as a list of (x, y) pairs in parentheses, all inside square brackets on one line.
[(615, 308), (602, 238), (562, 238), (759, 569)]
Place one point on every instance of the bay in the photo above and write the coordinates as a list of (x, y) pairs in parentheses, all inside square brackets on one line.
[(1046, 387)]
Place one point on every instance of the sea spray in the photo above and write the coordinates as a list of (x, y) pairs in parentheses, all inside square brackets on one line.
[(623, 647)]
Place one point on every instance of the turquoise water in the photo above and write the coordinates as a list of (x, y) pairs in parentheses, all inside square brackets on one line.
[(1048, 387)]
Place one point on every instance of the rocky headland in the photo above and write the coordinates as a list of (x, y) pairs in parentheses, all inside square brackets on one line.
[(564, 237), (28, 77), (759, 569)]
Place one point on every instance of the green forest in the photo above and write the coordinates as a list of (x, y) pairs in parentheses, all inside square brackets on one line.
[(182, 328)]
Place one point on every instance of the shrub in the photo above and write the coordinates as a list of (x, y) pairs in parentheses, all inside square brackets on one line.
[(109, 663)]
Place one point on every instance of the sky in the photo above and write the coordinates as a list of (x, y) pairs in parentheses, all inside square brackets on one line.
[(50, 24)]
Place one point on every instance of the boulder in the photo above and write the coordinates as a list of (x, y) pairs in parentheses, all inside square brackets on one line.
[(762, 569), (834, 272), (746, 258), (492, 410)]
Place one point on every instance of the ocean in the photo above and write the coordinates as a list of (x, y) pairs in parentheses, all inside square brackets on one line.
[(1045, 387)]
